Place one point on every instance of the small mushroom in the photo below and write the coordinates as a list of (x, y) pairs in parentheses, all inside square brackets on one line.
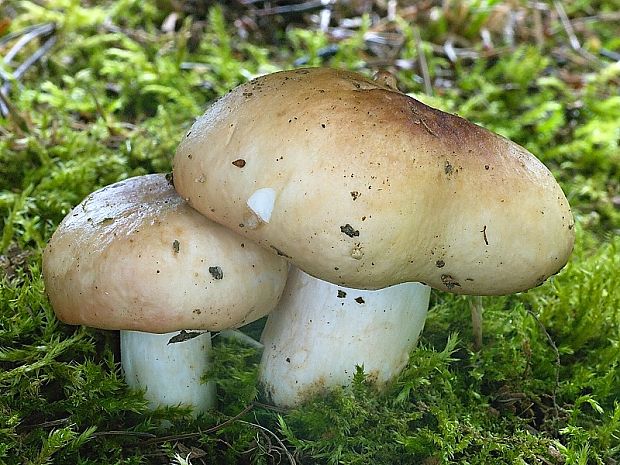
[(370, 188), (135, 257)]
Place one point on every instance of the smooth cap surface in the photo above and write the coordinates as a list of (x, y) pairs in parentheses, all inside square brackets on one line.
[(369, 187), (134, 255)]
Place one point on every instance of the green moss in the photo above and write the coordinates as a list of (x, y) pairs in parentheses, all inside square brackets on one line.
[(113, 99)]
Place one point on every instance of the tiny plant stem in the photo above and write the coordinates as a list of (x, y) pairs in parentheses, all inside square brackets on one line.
[(9, 224), (236, 335), (476, 321), (558, 363), (428, 87), (170, 373)]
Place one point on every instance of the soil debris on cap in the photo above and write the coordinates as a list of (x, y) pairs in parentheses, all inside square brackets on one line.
[(349, 231), (279, 252), (449, 281), (216, 272), (484, 234), (184, 336)]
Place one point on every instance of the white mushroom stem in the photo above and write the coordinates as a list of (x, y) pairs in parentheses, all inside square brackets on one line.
[(320, 332), (476, 321), (170, 373)]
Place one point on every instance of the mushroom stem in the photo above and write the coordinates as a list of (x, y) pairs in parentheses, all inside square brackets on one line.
[(320, 332), (476, 321), (170, 372)]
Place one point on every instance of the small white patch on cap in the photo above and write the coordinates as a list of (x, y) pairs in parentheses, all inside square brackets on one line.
[(261, 203)]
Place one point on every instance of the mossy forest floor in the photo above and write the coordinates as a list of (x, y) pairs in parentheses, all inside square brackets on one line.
[(118, 83)]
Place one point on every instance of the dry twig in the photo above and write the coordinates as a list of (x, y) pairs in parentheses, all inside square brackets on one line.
[(24, 37), (558, 363), (177, 437), (283, 448), (428, 88), (568, 27), (293, 8)]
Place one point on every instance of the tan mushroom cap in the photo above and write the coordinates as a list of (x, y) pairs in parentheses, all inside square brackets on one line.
[(135, 256), (370, 187)]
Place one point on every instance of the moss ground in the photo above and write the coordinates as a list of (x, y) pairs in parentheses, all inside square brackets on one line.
[(111, 99)]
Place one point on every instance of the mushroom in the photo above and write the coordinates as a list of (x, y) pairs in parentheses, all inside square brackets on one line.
[(362, 186), (134, 256), (320, 332)]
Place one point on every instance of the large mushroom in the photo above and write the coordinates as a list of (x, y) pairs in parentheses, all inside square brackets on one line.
[(134, 256), (362, 186)]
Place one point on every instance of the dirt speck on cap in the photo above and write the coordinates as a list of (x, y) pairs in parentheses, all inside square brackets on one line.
[(449, 281), (356, 252), (279, 252), (349, 230), (184, 336), (216, 272)]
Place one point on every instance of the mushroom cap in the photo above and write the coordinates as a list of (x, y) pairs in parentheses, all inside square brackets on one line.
[(135, 256), (369, 187)]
